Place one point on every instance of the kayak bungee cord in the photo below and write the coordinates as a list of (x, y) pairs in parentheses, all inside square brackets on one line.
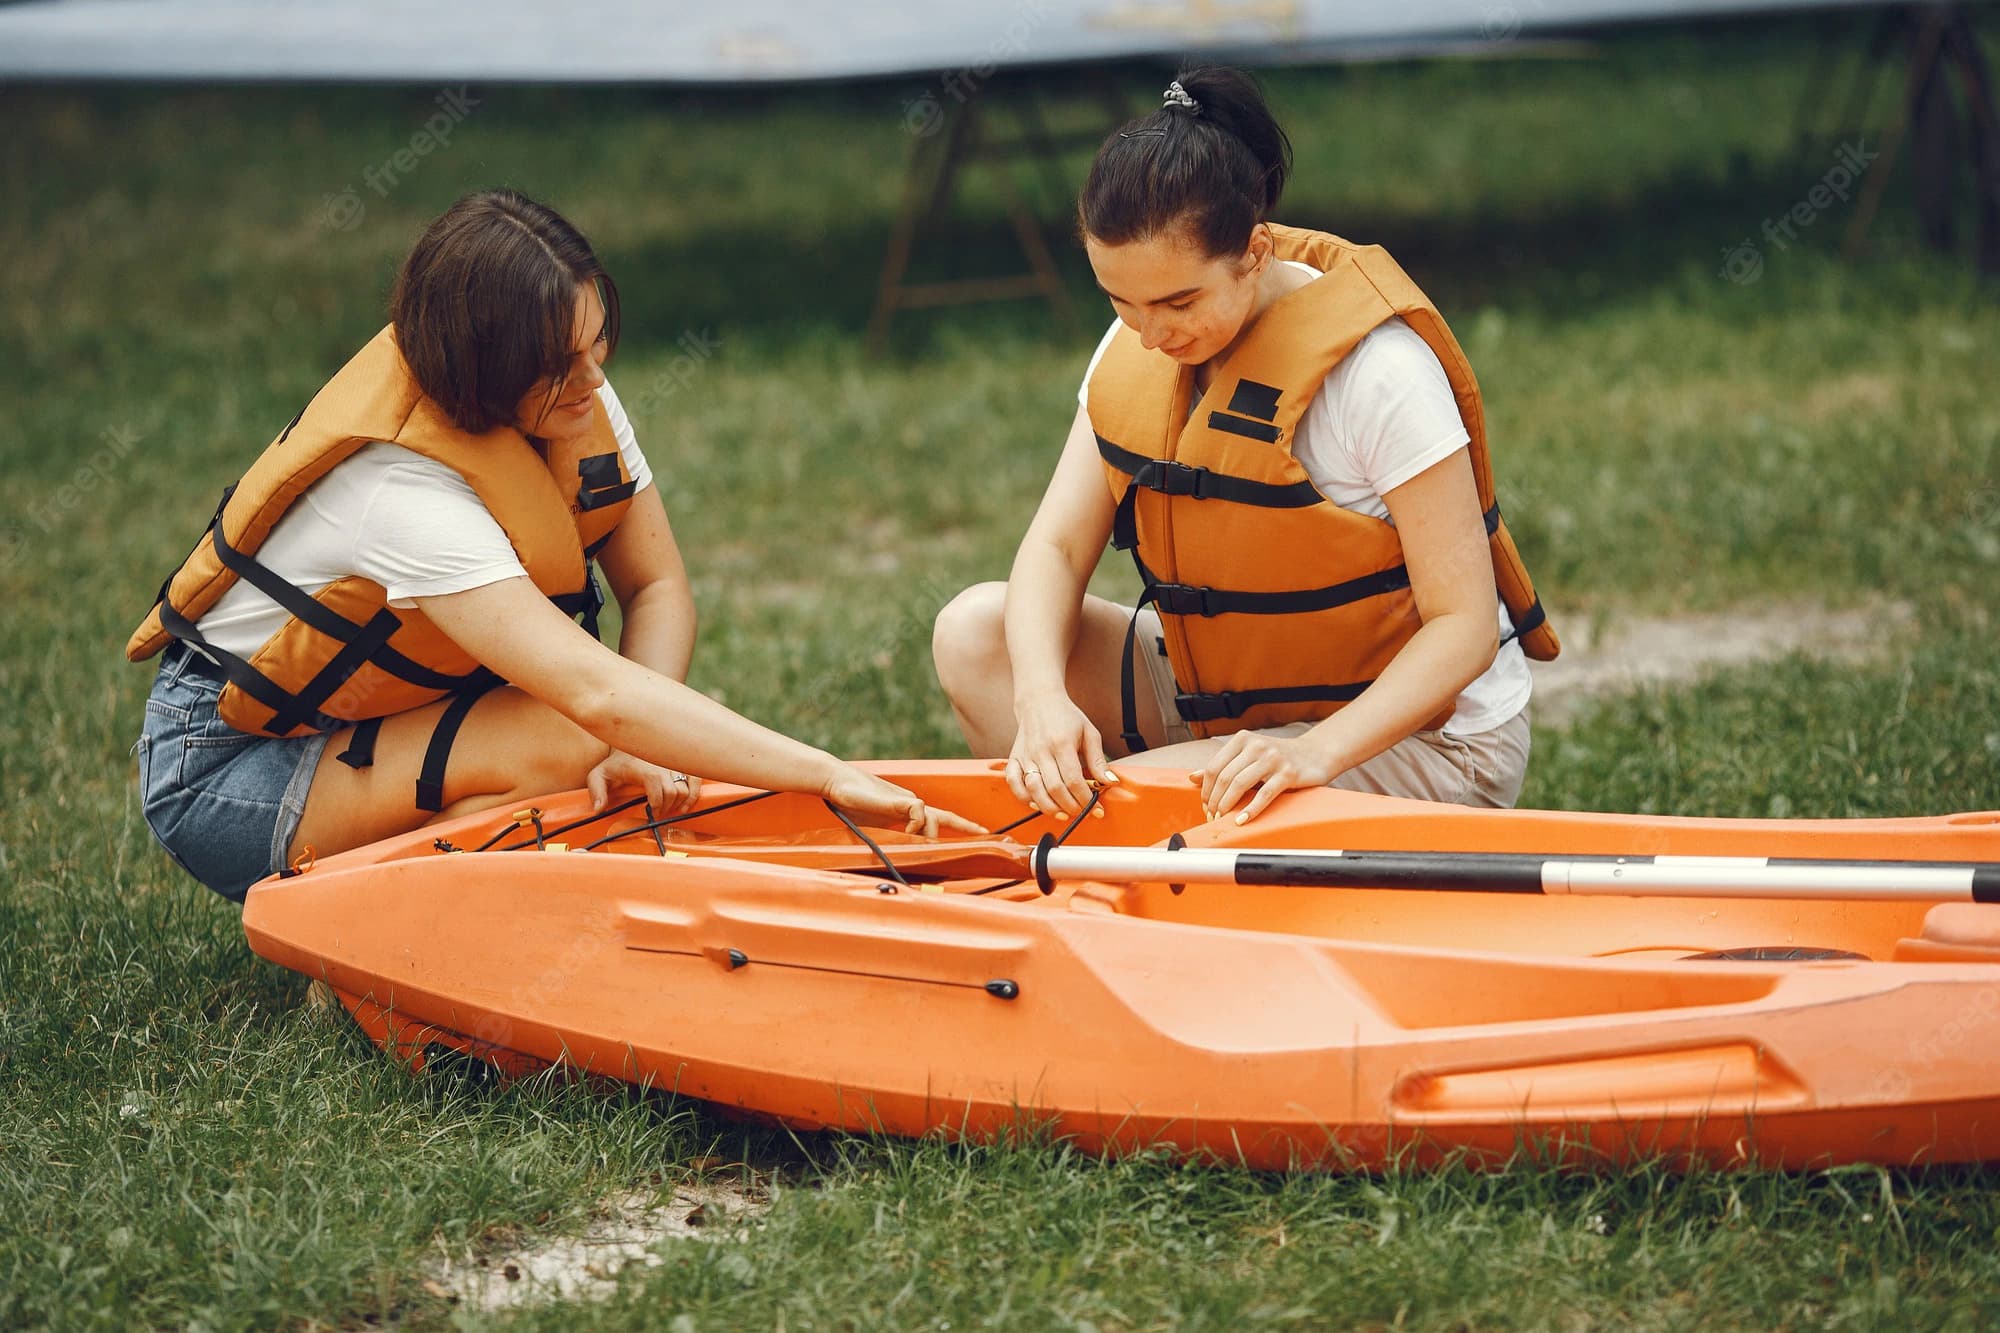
[(533, 814), (544, 836), (1494, 872), (855, 829), (653, 825), (1050, 840), (541, 837), (1028, 818)]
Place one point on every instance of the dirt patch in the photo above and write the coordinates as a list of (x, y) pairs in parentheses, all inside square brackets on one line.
[(1664, 650), (628, 1229)]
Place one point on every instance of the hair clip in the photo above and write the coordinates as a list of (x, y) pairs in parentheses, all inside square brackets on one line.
[(1140, 134), (1178, 96)]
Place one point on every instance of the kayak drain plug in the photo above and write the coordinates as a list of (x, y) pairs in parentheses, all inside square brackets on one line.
[(737, 958), (1003, 988)]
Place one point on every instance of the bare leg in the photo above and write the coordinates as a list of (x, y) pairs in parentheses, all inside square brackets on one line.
[(969, 647), (512, 747)]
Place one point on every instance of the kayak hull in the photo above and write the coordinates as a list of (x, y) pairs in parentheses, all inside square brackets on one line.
[(1274, 1028)]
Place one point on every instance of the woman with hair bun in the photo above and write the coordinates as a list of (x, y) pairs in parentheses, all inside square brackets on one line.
[(378, 628), (1282, 431)]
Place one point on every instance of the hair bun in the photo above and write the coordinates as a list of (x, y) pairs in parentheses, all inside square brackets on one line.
[(1210, 159)]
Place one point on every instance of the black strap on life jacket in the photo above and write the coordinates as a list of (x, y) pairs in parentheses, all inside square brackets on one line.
[(362, 644), (360, 751), (1170, 477), (430, 779), (602, 482), (1532, 617), (1181, 599), (1531, 620)]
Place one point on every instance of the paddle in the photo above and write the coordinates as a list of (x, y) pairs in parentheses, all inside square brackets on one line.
[(1503, 872)]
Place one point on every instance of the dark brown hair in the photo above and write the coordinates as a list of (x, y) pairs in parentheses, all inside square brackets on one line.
[(1216, 170), (485, 305)]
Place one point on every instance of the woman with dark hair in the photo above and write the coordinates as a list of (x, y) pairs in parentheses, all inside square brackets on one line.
[(1283, 432), (378, 628)]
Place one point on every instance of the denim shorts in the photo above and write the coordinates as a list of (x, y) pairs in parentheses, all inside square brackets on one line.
[(224, 803)]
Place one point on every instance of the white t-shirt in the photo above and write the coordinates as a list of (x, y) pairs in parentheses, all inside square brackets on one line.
[(385, 513), (1383, 415)]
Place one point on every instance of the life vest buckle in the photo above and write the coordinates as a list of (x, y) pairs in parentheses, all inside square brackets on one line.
[(1185, 599), (1211, 707), (1171, 477)]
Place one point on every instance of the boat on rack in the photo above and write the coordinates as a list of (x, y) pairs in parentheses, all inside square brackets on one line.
[(1592, 987)]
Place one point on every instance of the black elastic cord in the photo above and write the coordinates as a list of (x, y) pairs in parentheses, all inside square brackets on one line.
[(855, 829), (574, 824), (1096, 795), (487, 846), (652, 824)]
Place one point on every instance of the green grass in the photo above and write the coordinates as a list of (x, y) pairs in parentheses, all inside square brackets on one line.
[(181, 1143)]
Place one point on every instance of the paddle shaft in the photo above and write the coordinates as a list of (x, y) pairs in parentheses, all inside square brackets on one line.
[(1502, 872)]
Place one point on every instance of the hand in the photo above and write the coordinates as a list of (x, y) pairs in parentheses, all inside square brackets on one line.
[(1057, 754), (885, 805), (668, 790), (1247, 760)]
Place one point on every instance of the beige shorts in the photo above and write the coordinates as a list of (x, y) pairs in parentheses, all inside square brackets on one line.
[(1483, 769)]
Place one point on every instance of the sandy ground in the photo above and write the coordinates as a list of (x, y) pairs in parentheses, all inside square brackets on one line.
[(1664, 650), (632, 1228)]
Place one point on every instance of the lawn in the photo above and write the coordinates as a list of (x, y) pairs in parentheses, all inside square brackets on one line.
[(183, 1142)]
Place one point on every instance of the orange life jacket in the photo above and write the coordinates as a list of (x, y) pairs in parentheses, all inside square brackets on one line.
[(343, 655), (1226, 526)]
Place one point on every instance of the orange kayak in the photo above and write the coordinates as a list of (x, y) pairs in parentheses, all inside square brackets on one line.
[(757, 954)]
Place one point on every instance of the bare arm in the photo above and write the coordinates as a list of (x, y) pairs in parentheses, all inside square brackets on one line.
[(511, 628), (643, 565), (1451, 575), (1054, 564), (1056, 749)]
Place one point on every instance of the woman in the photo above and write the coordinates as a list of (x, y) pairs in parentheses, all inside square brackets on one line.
[(336, 645), (1282, 430)]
